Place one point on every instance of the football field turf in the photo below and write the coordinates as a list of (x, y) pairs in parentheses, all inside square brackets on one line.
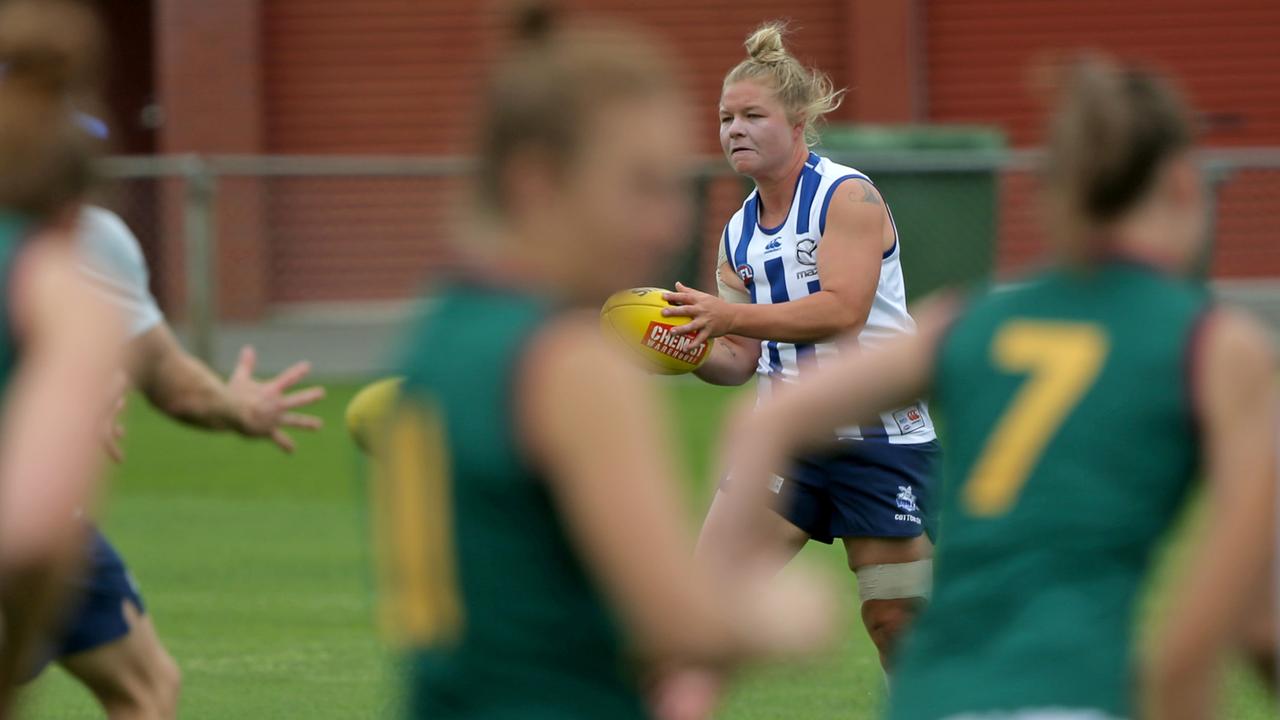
[(255, 569)]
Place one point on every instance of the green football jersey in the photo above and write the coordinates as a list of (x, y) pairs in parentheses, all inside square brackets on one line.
[(1070, 443), (482, 586), (12, 229)]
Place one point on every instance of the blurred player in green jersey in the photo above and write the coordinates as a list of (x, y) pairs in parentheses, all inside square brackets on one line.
[(536, 562), (1078, 407)]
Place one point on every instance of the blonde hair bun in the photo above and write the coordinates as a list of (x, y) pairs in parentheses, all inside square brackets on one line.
[(764, 45), (806, 93)]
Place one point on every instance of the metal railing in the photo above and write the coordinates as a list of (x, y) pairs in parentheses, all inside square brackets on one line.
[(203, 179)]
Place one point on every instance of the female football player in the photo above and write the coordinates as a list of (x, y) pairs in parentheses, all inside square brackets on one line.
[(815, 250), (59, 342), (1080, 406), (107, 640), (534, 558)]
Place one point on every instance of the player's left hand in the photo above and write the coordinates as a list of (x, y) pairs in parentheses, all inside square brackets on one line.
[(712, 317), (266, 408)]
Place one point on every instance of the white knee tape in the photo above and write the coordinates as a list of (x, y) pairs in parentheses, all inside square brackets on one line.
[(895, 580)]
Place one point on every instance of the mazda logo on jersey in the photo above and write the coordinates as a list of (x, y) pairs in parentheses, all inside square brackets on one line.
[(746, 273), (807, 252)]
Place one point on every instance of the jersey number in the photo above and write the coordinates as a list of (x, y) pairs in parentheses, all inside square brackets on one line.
[(419, 600), (1061, 361)]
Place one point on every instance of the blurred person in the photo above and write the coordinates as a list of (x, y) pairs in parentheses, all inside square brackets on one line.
[(1079, 405), (109, 643), (814, 254), (59, 341), (533, 553)]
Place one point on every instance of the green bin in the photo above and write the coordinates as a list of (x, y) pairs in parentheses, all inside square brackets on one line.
[(940, 183)]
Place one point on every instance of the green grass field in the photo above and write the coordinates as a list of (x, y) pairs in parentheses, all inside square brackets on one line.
[(254, 567)]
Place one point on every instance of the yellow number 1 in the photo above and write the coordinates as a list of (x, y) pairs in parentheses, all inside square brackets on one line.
[(420, 603), (1062, 360)]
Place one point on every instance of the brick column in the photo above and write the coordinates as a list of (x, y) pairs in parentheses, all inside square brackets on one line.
[(209, 83), (885, 81)]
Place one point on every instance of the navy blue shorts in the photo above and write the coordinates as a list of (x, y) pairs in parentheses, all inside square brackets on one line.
[(97, 606), (862, 488)]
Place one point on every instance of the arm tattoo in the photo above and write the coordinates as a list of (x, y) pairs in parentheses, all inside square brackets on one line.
[(865, 193)]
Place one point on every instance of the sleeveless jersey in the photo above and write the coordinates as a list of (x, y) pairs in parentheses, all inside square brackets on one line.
[(1069, 449), (780, 264), (481, 583)]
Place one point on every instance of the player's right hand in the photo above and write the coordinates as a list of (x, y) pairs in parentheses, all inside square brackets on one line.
[(265, 409), (711, 316)]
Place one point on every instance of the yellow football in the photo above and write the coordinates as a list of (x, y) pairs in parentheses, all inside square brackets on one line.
[(369, 410), (635, 317)]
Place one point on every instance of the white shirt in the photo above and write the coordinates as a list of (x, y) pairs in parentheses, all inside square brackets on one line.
[(112, 259)]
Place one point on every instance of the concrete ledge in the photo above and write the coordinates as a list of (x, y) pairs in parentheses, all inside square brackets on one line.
[(1261, 297)]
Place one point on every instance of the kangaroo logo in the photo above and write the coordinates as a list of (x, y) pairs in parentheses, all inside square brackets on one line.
[(906, 500)]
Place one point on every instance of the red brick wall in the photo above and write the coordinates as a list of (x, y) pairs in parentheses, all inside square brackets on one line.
[(376, 77), (400, 76), (208, 76), (980, 60)]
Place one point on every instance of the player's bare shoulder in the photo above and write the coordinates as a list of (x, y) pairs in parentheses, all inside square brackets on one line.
[(857, 197), (857, 207)]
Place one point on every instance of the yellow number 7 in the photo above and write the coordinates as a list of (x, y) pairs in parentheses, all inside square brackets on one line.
[(1062, 360)]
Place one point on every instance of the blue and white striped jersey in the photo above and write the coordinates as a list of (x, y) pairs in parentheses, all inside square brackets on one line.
[(780, 264)]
